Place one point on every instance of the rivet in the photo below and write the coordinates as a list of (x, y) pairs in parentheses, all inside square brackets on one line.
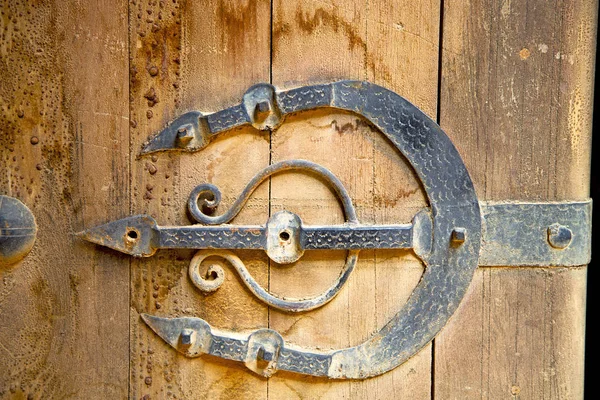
[(187, 337), (261, 110), (559, 236), (185, 134), (262, 107), (264, 354), (459, 235)]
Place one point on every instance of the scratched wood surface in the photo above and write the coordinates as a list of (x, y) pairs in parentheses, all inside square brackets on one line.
[(350, 36), (190, 56), (64, 151), (516, 99), (84, 85)]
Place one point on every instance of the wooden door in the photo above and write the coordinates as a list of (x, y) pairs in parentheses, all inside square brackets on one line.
[(83, 86)]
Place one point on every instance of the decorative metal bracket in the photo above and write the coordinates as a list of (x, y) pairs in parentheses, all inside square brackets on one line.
[(452, 236)]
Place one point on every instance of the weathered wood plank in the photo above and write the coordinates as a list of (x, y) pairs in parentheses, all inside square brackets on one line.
[(516, 95), (515, 99), (403, 56), (64, 150), (206, 54), (519, 333), (325, 41)]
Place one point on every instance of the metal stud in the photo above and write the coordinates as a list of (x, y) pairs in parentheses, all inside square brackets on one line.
[(559, 236), (459, 235)]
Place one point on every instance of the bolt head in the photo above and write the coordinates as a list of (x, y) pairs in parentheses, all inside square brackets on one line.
[(266, 355), (187, 337), (459, 235), (263, 106), (17, 231), (185, 134), (559, 236)]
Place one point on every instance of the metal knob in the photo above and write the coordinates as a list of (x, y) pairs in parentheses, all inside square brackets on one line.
[(17, 231)]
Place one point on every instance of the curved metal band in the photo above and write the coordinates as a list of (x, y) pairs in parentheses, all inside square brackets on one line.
[(291, 305), (214, 195), (453, 203)]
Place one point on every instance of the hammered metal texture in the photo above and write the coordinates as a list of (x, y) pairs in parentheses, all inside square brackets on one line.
[(363, 237), (517, 234), (212, 237), (449, 269)]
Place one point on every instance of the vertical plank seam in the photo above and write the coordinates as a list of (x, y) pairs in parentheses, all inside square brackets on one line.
[(493, 54), (373, 169), (270, 162), (440, 53), (130, 191), (483, 319), (522, 175), (438, 119), (544, 324), (366, 55), (488, 308), (551, 334)]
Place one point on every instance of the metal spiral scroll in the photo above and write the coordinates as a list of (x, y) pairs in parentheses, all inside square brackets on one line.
[(211, 202), (450, 263), (209, 197)]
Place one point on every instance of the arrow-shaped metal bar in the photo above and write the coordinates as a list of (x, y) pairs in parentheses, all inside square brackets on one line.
[(342, 237), (141, 236)]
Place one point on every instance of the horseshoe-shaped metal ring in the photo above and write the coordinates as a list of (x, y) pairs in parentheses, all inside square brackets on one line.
[(450, 262), (456, 231)]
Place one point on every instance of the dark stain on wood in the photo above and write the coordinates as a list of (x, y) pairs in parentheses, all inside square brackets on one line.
[(237, 22), (322, 18), (156, 70), (352, 127)]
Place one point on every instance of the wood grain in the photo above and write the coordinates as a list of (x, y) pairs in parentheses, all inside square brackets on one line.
[(516, 99), (206, 54), (64, 146), (516, 95), (319, 41), (83, 86), (519, 333)]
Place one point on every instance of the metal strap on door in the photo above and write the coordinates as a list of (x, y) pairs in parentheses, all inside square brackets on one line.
[(454, 235)]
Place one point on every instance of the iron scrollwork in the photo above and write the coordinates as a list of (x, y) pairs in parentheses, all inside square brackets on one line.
[(450, 263), (446, 236)]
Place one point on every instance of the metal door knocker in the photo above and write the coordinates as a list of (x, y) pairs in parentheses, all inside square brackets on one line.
[(446, 236)]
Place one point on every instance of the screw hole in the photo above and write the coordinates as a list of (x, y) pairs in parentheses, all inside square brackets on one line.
[(212, 275), (285, 236), (132, 235)]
